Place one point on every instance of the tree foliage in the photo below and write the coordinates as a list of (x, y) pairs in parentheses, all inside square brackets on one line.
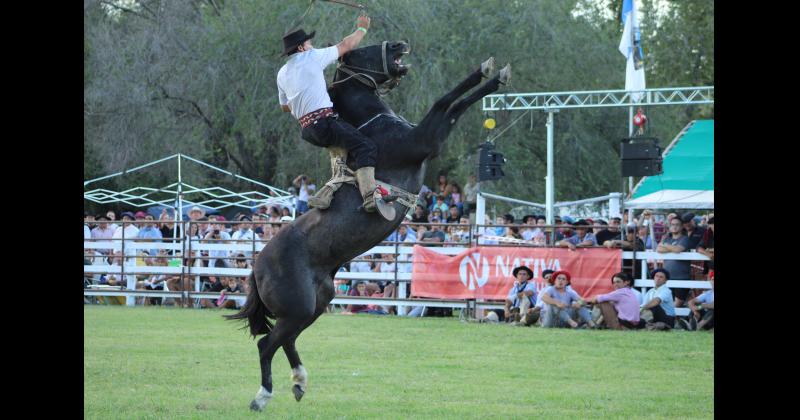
[(198, 77)]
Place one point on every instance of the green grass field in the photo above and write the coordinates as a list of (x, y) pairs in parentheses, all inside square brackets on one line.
[(169, 363)]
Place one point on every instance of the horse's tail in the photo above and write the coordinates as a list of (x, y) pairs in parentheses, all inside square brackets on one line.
[(254, 311)]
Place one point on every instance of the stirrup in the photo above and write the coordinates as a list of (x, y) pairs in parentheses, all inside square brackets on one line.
[(386, 209)]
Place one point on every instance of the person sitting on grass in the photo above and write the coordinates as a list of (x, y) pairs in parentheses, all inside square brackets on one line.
[(564, 305), (702, 307), (620, 308), (658, 304), (521, 300), (231, 286), (547, 276), (360, 290)]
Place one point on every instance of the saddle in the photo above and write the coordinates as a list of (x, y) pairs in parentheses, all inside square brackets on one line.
[(341, 174)]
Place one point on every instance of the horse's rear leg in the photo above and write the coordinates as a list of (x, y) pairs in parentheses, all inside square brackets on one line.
[(299, 373), (325, 294), (267, 346)]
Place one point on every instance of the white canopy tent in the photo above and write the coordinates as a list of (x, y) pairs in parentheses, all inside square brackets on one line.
[(674, 199), (181, 195)]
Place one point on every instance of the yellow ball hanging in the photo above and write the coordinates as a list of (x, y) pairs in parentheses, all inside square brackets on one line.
[(489, 123)]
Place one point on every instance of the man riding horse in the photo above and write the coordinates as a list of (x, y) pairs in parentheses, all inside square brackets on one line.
[(292, 278), (302, 91)]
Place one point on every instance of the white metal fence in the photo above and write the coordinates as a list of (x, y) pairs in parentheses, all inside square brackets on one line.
[(188, 254)]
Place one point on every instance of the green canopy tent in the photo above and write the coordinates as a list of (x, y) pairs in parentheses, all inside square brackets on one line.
[(688, 178)]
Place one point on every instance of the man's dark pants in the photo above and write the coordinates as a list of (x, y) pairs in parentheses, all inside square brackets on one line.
[(331, 131)]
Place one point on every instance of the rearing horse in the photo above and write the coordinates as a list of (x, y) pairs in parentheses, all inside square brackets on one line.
[(292, 279)]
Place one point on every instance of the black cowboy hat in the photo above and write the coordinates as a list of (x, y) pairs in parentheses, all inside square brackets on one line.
[(516, 270), (293, 39)]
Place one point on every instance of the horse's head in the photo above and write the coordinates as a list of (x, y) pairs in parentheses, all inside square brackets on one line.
[(381, 63)]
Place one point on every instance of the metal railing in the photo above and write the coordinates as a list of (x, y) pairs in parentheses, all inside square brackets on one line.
[(186, 256)]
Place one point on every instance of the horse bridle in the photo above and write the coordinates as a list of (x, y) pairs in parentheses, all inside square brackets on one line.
[(380, 89)]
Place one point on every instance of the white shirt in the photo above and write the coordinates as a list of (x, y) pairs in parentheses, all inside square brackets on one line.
[(87, 233), (131, 233), (244, 237), (301, 81), (303, 194), (360, 267)]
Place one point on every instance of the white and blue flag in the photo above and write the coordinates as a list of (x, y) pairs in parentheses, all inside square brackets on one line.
[(631, 47)]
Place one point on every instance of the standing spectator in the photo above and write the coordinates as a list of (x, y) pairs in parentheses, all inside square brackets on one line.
[(582, 237), (304, 190), (243, 234), (659, 301), (676, 242), (149, 231), (565, 228), (693, 232), (166, 225), (612, 232), (629, 243), (564, 304), (435, 235), (454, 196), (706, 246), (644, 236), (217, 235), (88, 224), (196, 213), (470, 194), (112, 217), (703, 309), (130, 232), (620, 308), (103, 231), (441, 186), (521, 300), (501, 222), (203, 227), (454, 215), (274, 214), (364, 266), (530, 228), (439, 203), (420, 215)]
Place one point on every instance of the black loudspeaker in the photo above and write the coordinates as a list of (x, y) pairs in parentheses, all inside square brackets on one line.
[(641, 156), (640, 148), (642, 167)]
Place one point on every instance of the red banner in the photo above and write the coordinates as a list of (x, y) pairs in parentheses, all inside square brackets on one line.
[(486, 272)]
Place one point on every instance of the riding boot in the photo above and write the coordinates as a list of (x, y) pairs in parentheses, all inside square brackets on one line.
[(375, 197), (365, 177)]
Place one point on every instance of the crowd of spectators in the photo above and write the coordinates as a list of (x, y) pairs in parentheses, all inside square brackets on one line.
[(441, 218), (246, 228)]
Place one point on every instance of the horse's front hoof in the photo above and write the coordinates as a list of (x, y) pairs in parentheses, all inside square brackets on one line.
[(255, 407), (298, 392), (487, 67), (505, 74)]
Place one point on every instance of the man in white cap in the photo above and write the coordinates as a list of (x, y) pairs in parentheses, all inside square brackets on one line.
[(196, 213)]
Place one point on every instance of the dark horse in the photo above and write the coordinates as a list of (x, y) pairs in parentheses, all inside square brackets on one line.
[(292, 279)]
